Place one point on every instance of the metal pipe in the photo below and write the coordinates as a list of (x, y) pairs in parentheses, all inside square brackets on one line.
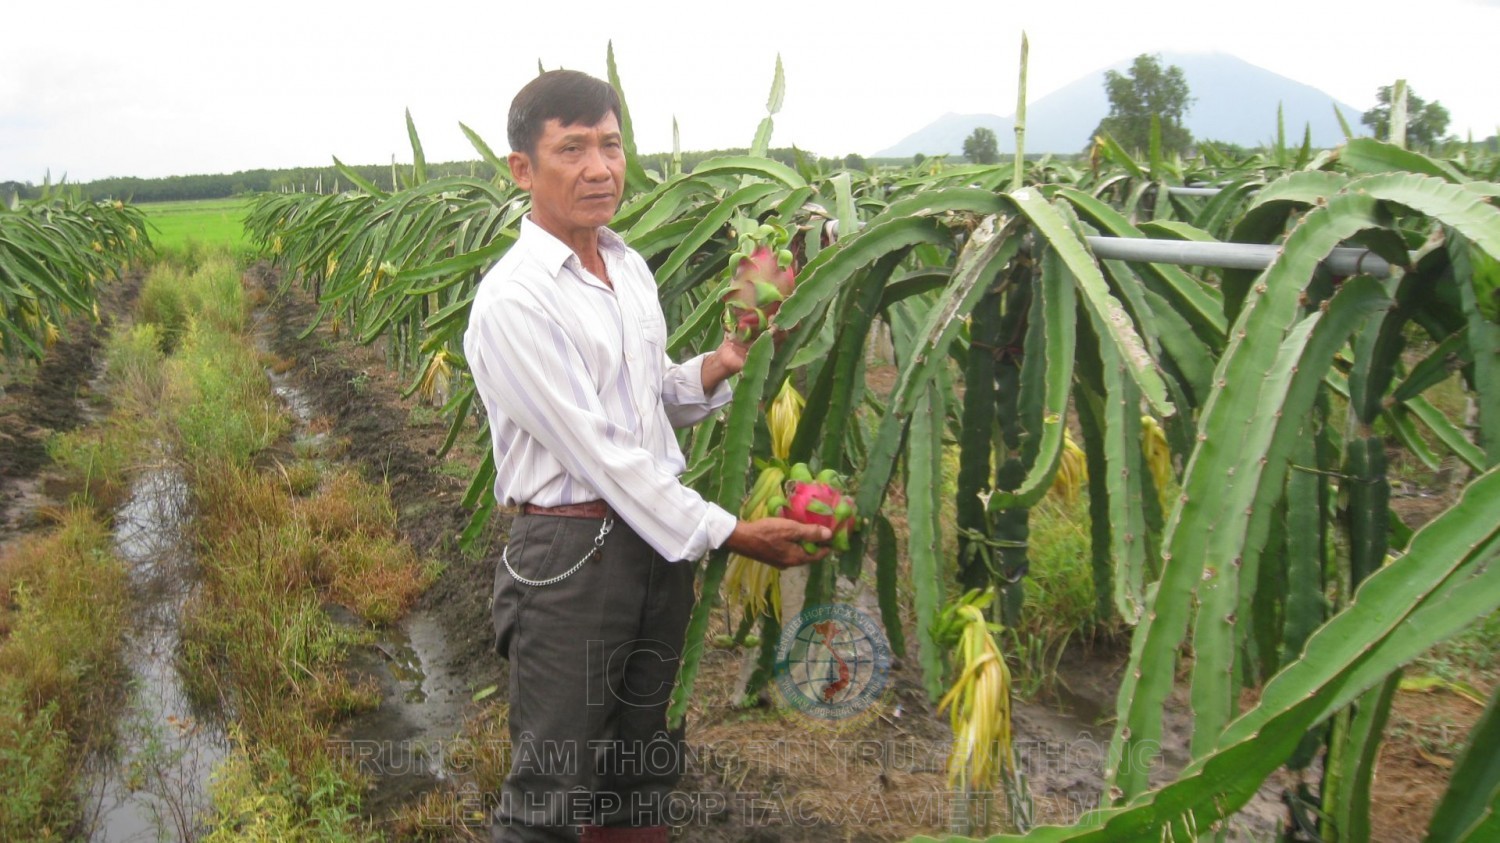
[(1194, 191), (1342, 261)]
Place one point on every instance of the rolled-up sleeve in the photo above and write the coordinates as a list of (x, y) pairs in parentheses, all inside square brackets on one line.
[(682, 393)]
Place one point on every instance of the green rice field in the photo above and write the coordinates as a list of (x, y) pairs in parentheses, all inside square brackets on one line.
[(177, 226)]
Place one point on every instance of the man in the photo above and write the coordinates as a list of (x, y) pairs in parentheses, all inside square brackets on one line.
[(566, 342)]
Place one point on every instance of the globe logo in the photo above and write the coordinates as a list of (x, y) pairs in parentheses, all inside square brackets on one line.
[(832, 663)]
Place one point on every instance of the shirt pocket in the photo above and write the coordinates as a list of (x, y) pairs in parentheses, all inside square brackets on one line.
[(653, 350)]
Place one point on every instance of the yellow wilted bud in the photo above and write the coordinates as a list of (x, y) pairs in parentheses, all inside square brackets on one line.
[(97, 246), (333, 264), (786, 412), (749, 584), (382, 272), (119, 206), (49, 333), (1072, 470), (276, 245), (1158, 457), (979, 704), (435, 377)]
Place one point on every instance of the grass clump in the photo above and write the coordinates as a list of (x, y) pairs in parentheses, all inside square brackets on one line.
[(96, 461), (216, 296), (163, 305), (1060, 602), (133, 368), (256, 638), (257, 797), (226, 410), (207, 291), (63, 604)]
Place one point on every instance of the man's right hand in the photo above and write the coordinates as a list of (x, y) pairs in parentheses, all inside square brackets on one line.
[(778, 541)]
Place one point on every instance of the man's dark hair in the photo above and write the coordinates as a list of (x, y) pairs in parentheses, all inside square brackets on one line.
[(570, 97)]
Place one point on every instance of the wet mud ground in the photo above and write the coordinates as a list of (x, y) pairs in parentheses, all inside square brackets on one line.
[(53, 397)]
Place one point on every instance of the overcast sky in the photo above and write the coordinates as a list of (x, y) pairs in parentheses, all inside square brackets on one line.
[(97, 89)]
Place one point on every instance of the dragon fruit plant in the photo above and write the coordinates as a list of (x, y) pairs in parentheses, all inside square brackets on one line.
[(763, 275), (820, 501)]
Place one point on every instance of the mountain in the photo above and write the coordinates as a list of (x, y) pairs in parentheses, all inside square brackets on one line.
[(1233, 101)]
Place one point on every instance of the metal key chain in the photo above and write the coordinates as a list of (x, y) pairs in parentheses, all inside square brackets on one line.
[(609, 524)]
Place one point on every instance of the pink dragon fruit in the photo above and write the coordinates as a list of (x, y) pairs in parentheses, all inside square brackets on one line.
[(764, 275), (818, 501)]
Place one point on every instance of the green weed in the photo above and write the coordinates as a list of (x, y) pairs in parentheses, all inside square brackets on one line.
[(208, 290), (1473, 652), (96, 461), (422, 415), (1059, 606), (63, 602), (226, 411), (258, 796), (36, 767), (454, 468), (133, 369), (163, 305), (216, 295)]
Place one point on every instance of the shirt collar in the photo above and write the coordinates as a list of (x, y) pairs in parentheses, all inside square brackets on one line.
[(553, 253)]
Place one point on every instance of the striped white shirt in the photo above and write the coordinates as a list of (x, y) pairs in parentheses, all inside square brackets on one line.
[(581, 395)]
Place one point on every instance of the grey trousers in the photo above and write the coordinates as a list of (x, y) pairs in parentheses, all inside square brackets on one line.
[(593, 659)]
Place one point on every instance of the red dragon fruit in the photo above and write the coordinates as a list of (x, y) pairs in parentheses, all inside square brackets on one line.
[(764, 273), (818, 501)]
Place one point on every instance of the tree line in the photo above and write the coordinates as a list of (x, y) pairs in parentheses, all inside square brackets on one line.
[(328, 179), (221, 185)]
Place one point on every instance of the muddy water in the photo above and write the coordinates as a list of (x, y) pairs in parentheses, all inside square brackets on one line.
[(400, 745), (157, 786)]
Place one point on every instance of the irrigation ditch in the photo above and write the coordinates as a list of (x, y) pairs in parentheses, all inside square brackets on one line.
[(155, 781), (401, 743)]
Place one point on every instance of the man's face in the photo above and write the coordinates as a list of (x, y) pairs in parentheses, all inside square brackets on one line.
[(576, 177)]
